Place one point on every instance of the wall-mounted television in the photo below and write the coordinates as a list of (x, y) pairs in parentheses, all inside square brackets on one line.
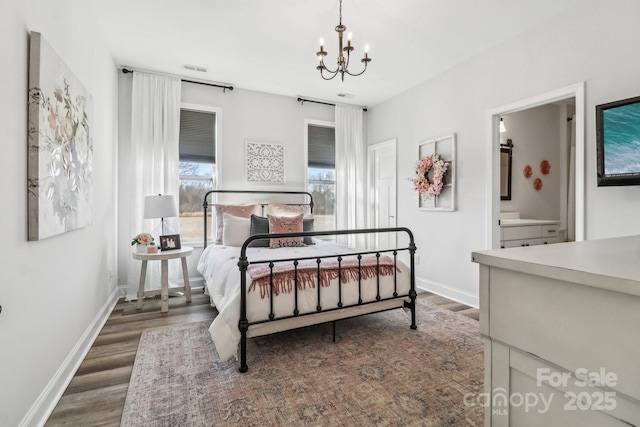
[(618, 142)]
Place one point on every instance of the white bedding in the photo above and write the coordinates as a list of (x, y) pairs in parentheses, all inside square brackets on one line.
[(218, 266)]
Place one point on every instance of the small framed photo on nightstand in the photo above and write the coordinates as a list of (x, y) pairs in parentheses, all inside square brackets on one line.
[(169, 242)]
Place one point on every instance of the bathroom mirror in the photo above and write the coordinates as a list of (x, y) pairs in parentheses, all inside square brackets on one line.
[(505, 170)]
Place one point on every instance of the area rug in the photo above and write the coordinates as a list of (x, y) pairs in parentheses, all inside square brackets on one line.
[(379, 372)]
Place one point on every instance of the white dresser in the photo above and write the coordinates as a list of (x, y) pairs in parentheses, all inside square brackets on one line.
[(560, 324)]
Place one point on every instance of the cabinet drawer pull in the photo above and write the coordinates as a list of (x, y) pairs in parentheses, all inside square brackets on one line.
[(551, 231)]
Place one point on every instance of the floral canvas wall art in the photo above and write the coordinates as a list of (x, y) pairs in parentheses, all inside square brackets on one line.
[(265, 162), (60, 145)]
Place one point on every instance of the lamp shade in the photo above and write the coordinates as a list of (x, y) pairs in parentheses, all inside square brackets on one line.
[(160, 206)]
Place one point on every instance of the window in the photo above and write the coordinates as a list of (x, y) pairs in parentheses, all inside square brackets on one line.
[(321, 175), (197, 168)]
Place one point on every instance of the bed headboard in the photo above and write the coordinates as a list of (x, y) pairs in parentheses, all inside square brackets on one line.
[(205, 202)]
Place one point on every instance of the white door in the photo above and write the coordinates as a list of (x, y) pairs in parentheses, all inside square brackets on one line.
[(382, 185)]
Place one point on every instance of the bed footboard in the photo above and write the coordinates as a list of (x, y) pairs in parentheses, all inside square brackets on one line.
[(341, 309)]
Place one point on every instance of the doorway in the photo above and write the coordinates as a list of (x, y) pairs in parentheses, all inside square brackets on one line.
[(382, 176), (493, 160)]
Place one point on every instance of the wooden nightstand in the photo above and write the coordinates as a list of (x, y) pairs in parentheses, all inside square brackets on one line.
[(164, 257)]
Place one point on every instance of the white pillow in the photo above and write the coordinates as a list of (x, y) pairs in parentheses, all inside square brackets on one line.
[(235, 230), (279, 209)]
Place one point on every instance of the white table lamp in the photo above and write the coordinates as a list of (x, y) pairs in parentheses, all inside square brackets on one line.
[(160, 207)]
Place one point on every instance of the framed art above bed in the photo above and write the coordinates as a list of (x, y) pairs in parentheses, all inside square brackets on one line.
[(265, 162)]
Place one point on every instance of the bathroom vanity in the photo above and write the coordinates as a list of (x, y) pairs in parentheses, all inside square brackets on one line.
[(515, 231)]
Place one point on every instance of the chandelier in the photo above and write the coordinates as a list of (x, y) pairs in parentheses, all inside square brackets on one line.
[(343, 63)]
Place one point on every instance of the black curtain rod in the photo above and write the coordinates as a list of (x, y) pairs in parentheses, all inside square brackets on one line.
[(302, 100), (224, 88)]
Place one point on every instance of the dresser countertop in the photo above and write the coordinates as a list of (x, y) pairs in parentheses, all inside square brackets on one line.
[(522, 222), (612, 264)]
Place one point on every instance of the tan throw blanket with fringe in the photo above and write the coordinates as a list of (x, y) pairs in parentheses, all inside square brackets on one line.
[(307, 272)]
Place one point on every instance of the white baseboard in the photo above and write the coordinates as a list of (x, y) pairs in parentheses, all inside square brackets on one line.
[(41, 410), (448, 292)]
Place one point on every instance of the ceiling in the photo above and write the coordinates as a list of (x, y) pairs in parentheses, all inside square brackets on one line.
[(270, 45)]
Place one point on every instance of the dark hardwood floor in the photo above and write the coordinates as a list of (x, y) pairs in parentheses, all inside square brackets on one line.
[(96, 394), (454, 306)]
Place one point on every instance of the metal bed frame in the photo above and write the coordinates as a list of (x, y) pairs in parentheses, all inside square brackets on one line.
[(243, 264)]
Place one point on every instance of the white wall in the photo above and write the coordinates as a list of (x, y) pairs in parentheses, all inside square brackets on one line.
[(52, 291), (594, 44), (244, 116), (535, 133), (260, 117)]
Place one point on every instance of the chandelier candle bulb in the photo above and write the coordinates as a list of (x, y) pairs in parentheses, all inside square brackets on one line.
[(321, 54)]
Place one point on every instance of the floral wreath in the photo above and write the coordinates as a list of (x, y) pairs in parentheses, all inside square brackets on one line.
[(429, 178)]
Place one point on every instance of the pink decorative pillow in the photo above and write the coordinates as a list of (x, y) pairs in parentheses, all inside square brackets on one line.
[(242, 211), (285, 224), (278, 209)]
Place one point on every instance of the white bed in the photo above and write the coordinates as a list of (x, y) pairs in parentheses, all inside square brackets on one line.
[(263, 290), (219, 267)]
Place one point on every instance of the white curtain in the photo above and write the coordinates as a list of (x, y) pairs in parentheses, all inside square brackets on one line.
[(155, 128), (350, 174), (571, 183)]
